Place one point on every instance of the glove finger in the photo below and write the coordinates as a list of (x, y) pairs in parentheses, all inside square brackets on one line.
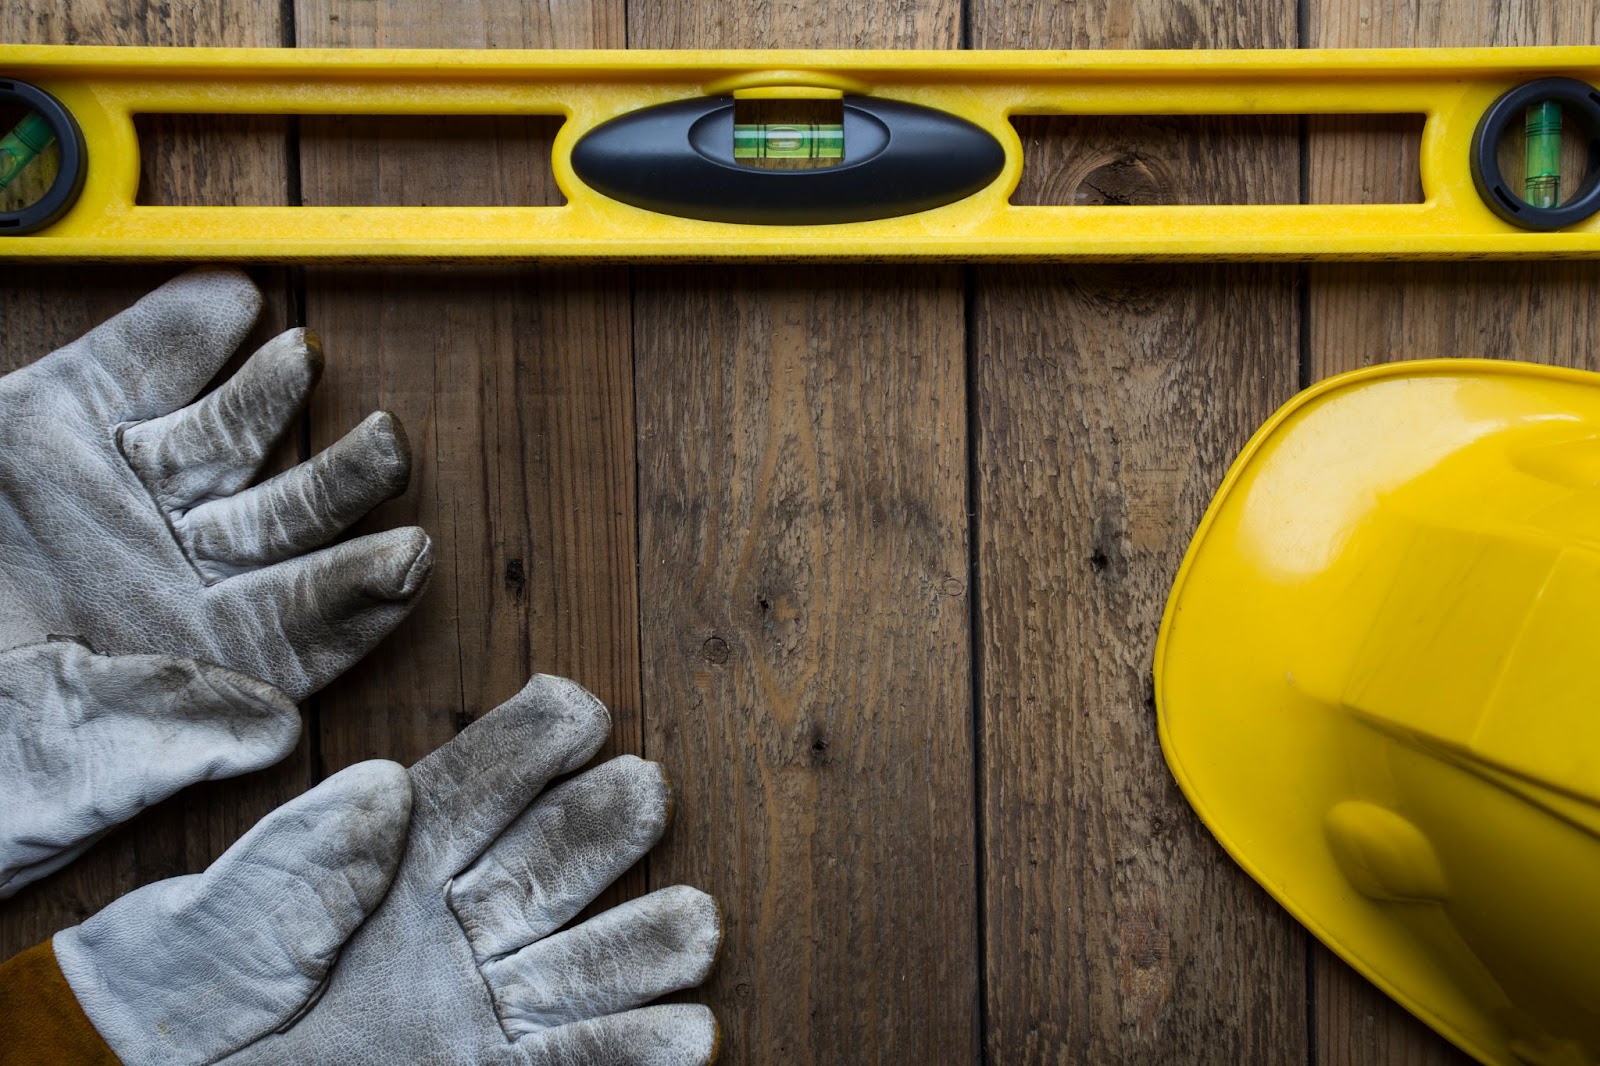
[(216, 445), (470, 789), (305, 621), (159, 353), (195, 967), (620, 959), (87, 741), (560, 854), (678, 1034), (301, 508)]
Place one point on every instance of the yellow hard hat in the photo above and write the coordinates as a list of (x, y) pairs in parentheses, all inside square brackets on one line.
[(1378, 682)]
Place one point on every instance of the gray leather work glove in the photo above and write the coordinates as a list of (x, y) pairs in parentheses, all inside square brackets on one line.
[(288, 951), (159, 619)]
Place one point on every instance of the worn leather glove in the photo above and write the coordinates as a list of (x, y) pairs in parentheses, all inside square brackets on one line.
[(158, 619), (288, 951)]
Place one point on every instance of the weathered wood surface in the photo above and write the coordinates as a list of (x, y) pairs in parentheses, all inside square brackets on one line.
[(870, 557), (803, 560)]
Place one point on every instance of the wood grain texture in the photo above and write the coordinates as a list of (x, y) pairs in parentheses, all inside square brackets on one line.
[(1360, 314), (1133, 159), (803, 530), (43, 308), (794, 24), (1109, 403), (515, 388)]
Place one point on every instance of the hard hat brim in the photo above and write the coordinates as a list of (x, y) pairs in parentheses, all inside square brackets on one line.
[(1248, 662)]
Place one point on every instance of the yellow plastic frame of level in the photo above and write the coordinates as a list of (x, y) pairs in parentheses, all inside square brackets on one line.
[(106, 87)]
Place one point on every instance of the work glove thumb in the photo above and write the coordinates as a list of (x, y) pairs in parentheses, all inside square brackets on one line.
[(88, 740), (193, 966)]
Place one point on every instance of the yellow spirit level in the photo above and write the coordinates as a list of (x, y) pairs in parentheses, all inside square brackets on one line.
[(902, 155)]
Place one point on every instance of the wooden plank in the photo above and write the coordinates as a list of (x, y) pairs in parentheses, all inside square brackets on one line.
[(515, 389), (1109, 403), (1366, 313), (43, 308), (803, 569), (515, 386), (803, 530)]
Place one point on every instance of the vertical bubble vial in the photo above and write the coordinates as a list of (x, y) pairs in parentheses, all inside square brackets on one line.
[(1542, 154)]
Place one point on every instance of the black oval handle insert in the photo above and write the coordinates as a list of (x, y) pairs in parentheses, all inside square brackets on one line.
[(677, 159)]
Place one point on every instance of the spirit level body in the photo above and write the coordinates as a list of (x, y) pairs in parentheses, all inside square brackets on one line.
[(105, 88)]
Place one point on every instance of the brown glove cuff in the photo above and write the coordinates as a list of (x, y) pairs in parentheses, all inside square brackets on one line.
[(41, 1023)]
